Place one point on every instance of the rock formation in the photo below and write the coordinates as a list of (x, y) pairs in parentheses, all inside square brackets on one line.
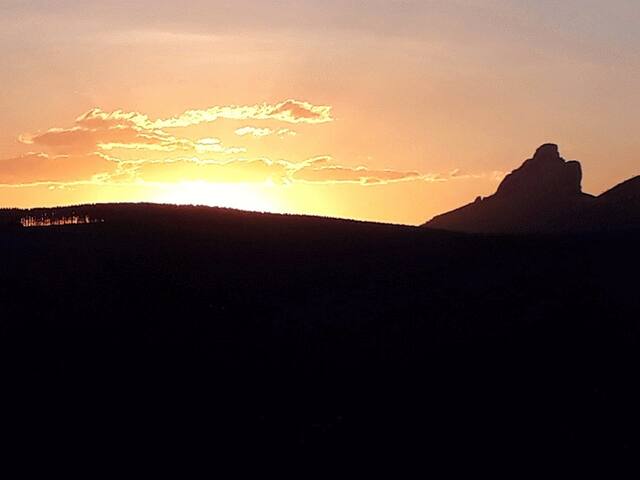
[(545, 195)]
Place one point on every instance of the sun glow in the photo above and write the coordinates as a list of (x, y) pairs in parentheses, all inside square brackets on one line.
[(230, 195)]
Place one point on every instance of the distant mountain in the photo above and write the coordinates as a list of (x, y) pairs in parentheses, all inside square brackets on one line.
[(545, 195)]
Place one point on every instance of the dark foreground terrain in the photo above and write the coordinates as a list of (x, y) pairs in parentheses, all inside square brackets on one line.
[(199, 328)]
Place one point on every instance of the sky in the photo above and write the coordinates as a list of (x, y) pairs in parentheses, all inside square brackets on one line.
[(390, 111)]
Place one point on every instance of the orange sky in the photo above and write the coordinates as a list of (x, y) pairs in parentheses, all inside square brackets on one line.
[(383, 110)]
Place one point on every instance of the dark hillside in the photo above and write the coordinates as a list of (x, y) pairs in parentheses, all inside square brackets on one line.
[(281, 333)]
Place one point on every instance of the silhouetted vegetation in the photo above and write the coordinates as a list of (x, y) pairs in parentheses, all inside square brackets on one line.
[(203, 326), (53, 220)]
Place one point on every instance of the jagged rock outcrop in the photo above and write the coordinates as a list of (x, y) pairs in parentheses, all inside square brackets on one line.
[(547, 173), (545, 195)]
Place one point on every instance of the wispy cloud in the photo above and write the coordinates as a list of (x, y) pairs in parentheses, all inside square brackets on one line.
[(323, 170), (286, 132), (101, 130), (315, 170), (98, 134), (101, 168), (264, 132), (253, 131), (289, 111), (457, 174), (119, 147)]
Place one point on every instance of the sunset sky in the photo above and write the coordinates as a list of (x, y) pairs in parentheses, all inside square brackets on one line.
[(391, 110)]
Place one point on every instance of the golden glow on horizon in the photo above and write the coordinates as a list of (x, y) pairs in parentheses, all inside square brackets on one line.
[(238, 195)]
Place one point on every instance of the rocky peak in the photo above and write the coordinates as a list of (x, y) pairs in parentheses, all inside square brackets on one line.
[(546, 174), (547, 153)]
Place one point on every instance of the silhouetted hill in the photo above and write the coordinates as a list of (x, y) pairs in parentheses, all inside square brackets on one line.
[(618, 208), (203, 329), (545, 195)]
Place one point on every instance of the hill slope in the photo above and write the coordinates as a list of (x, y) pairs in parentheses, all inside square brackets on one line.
[(201, 328)]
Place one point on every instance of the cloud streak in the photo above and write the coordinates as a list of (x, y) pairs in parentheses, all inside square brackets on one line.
[(253, 131), (322, 170), (101, 130), (122, 147), (315, 170), (264, 132), (39, 169), (92, 136), (288, 111)]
